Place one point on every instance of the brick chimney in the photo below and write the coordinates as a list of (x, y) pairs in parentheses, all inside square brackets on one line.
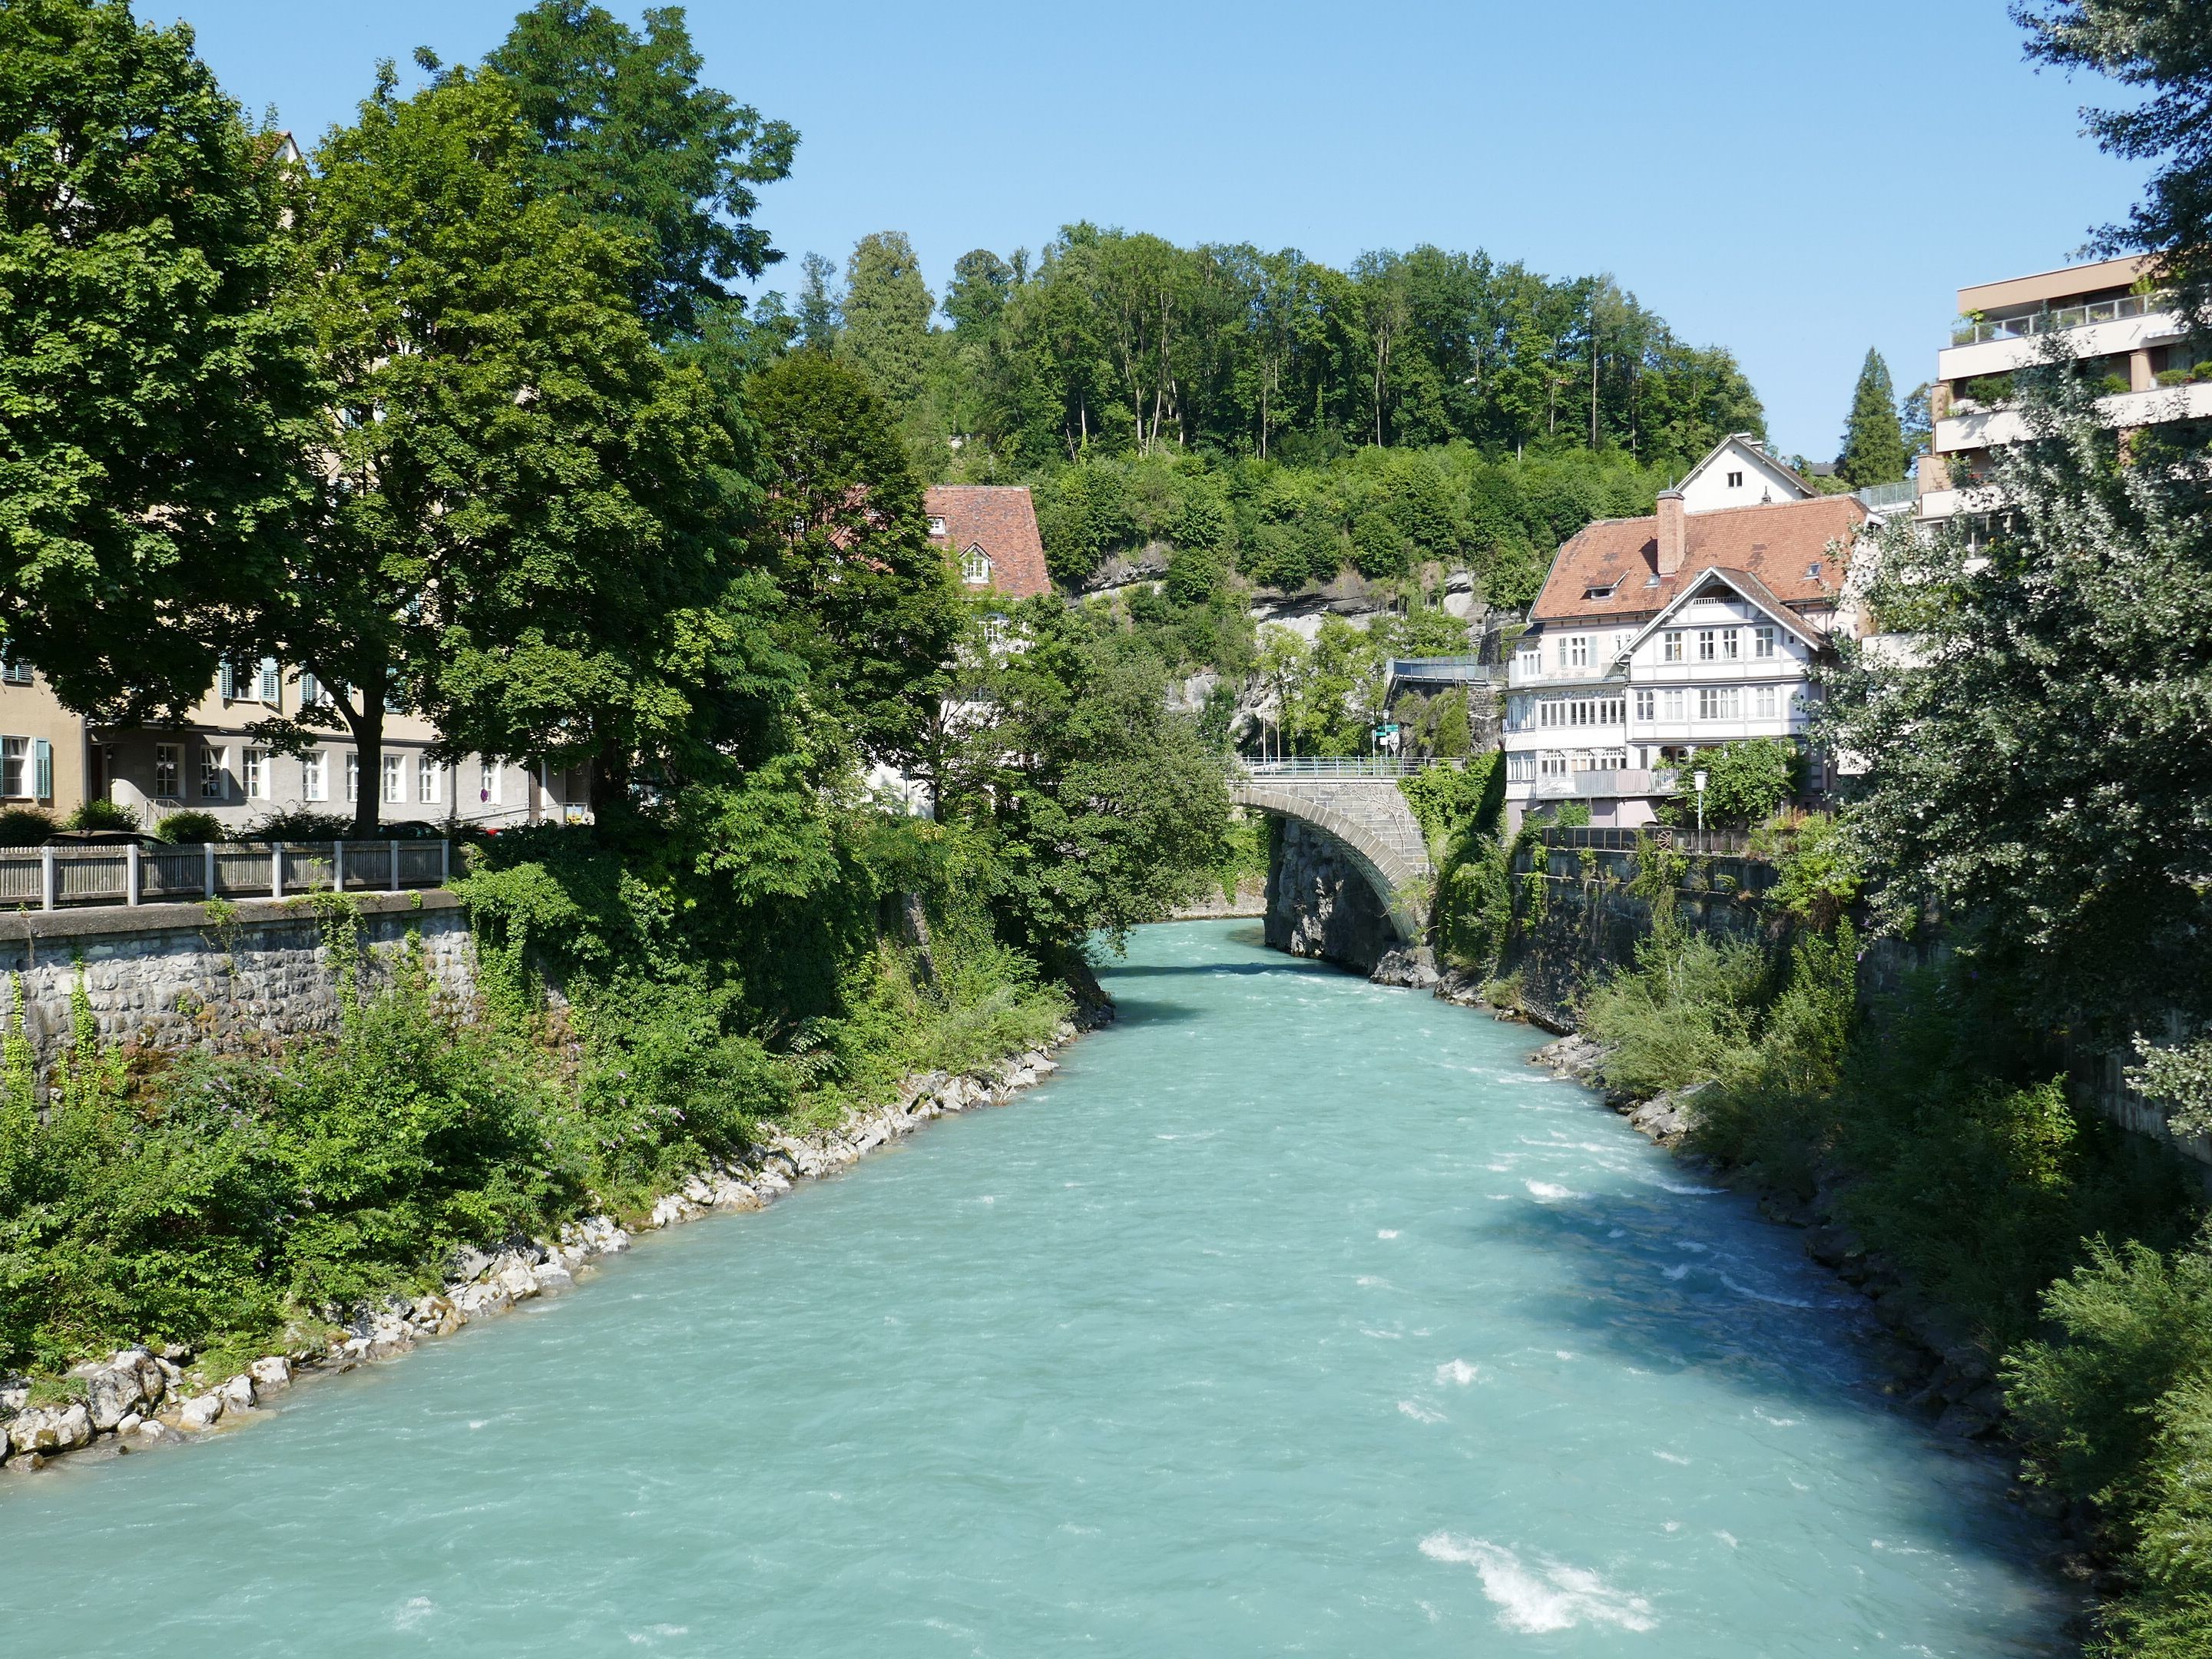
[(1672, 536)]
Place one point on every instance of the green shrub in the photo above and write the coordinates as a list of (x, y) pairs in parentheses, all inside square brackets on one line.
[(301, 824), (192, 829), (27, 826), (1684, 1014), (102, 815)]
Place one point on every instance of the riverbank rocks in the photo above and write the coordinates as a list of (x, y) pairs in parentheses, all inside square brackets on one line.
[(47, 1429), (1574, 1057), (121, 1394)]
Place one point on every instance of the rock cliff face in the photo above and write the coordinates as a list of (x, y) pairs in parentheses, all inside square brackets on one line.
[(1319, 905)]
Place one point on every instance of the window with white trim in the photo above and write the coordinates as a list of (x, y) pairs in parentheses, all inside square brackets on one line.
[(14, 670), (1599, 760), (975, 567), (1582, 711), (1529, 660), (1731, 644), (1672, 704), (1670, 645), (426, 783), (271, 682), (1762, 640), (1647, 705), (1520, 766), (1552, 764), (164, 770), (936, 525), (214, 773), (254, 766), (315, 775), (1766, 702), (395, 778), (1709, 645), (15, 766), (487, 783), (1720, 703), (353, 775), (1735, 481), (1574, 651)]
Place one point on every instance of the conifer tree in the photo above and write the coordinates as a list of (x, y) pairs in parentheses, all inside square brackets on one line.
[(886, 316), (1874, 441)]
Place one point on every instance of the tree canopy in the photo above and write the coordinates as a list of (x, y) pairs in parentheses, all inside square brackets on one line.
[(152, 373), (629, 136), (2163, 48)]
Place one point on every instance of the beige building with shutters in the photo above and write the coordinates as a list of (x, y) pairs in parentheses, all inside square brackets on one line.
[(211, 762)]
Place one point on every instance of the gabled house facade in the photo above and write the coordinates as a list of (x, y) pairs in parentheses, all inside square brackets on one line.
[(1656, 637), (989, 531)]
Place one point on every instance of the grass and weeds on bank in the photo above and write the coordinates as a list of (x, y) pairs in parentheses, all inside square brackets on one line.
[(217, 1201)]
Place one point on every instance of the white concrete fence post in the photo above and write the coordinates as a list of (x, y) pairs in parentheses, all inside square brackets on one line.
[(337, 866), (133, 879), (46, 877), (394, 847), (275, 869), (207, 859)]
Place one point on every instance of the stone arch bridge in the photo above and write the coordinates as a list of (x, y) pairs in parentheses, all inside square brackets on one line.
[(1358, 805)]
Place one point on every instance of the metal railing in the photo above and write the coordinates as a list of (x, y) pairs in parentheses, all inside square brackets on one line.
[(1660, 834), (1341, 766), (2052, 322), (1458, 670), (1900, 494), (54, 878)]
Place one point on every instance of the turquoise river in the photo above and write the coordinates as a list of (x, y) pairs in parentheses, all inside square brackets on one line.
[(1295, 1316)]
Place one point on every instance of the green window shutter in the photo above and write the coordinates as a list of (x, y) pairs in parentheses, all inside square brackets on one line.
[(44, 787)]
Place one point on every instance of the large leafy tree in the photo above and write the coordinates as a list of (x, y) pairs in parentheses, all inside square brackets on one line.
[(2162, 48), (149, 370), (627, 135), (2036, 762), (869, 601), (1103, 808), (1874, 439), (525, 532)]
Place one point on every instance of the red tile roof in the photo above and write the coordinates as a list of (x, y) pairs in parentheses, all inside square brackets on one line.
[(1002, 519), (1779, 544)]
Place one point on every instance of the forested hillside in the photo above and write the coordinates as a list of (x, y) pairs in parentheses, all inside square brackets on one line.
[(1516, 406)]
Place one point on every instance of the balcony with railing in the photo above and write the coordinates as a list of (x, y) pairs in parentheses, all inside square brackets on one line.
[(1611, 784), (1982, 331)]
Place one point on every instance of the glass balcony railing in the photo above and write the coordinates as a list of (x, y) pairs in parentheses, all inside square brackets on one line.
[(1980, 332)]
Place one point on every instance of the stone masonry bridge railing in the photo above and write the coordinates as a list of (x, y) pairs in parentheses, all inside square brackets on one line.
[(1358, 804)]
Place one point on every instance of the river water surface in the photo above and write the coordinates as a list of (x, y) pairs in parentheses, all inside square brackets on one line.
[(1296, 1316)]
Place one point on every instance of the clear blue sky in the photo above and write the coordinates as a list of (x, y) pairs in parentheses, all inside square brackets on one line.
[(1796, 182)]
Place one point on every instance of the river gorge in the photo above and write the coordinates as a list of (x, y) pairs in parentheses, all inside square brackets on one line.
[(1295, 1314)]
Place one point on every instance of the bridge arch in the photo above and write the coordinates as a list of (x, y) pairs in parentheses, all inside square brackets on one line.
[(1364, 814)]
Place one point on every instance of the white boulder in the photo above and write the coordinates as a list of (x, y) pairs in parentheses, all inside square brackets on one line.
[(271, 1373), (51, 1428)]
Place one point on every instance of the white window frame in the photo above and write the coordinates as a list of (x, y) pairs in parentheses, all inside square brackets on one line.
[(315, 774), (1551, 762), (1647, 707), (487, 783), (16, 768), (1731, 644), (936, 525), (1735, 481), (1762, 640), (975, 566), (167, 772), (394, 790), (1720, 703), (1520, 766), (253, 772), (426, 783), (1674, 701), (353, 776), (1670, 645), (13, 670), (1767, 702), (214, 773), (1574, 651), (1708, 645)]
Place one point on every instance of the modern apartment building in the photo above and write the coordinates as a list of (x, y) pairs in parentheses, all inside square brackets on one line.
[(1656, 637), (211, 762), (2110, 317)]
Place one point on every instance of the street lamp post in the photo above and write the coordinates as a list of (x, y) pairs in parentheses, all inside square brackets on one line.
[(1698, 778)]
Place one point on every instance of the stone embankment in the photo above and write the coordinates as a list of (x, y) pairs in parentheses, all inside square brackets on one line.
[(140, 1398)]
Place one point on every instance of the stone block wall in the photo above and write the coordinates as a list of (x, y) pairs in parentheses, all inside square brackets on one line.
[(169, 976), (1319, 904)]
